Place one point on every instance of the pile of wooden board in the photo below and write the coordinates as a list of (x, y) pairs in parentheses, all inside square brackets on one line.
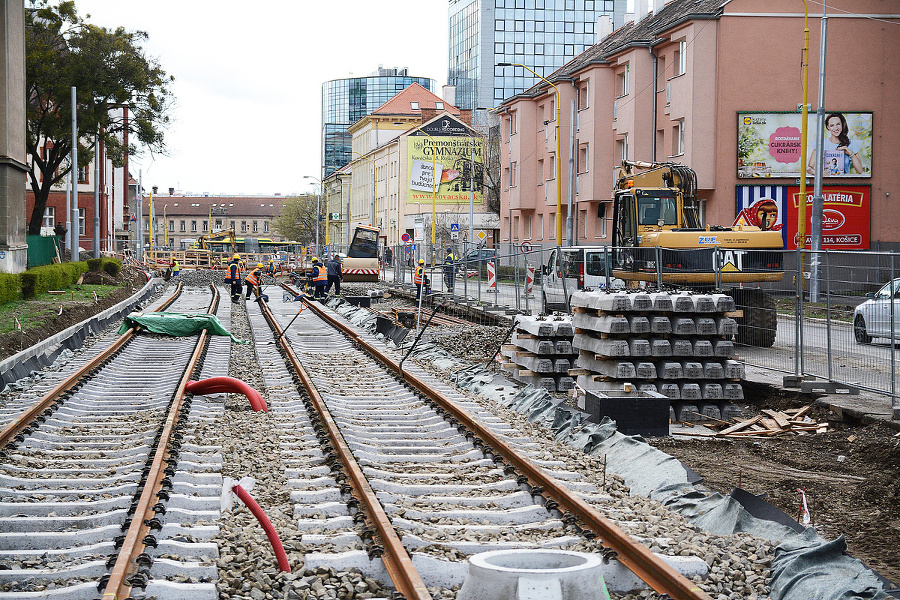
[(541, 352), (674, 343), (768, 424)]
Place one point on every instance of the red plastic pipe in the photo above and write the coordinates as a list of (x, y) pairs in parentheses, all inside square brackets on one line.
[(228, 385), (248, 500)]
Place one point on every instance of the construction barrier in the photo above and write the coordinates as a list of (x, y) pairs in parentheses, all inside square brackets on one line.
[(492, 276), (529, 280)]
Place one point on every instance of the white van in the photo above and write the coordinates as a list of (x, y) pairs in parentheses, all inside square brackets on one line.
[(572, 269)]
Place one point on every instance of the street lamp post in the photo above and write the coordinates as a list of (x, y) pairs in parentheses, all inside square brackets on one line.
[(318, 208), (558, 155)]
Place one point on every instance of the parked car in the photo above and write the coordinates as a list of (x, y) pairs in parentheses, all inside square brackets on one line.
[(478, 257), (872, 318), (575, 268)]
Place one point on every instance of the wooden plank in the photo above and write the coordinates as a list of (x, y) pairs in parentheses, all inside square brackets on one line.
[(577, 372), (527, 373), (802, 411), (525, 336), (745, 433), (770, 423), (509, 347), (741, 425), (734, 314), (509, 366), (778, 416)]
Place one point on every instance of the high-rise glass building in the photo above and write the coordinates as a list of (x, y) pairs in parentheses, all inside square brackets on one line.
[(346, 101), (543, 34)]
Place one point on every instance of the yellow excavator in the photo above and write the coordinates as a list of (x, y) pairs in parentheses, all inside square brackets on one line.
[(218, 241), (658, 238)]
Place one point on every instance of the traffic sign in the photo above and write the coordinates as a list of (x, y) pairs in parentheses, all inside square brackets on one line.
[(454, 235), (481, 235), (405, 238), (454, 227), (525, 247)]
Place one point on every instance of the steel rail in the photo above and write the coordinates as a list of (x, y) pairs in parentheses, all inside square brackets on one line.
[(651, 569), (14, 428), (396, 559), (119, 585)]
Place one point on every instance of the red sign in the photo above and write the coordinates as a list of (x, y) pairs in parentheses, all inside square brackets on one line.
[(846, 216)]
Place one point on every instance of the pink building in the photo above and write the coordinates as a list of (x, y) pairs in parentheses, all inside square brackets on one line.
[(715, 85)]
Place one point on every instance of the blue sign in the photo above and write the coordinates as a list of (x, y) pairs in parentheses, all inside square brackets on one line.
[(310, 249), (405, 237), (324, 249), (454, 227)]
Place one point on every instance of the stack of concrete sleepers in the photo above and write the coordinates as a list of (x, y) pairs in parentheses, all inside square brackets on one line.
[(674, 343), (541, 352)]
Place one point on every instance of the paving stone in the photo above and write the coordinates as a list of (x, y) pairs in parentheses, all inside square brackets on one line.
[(641, 301), (561, 365), (683, 303), (639, 324), (734, 369), (564, 346), (645, 370), (682, 348), (639, 347), (733, 391), (670, 390), (706, 326), (730, 411), (693, 370), (662, 325), (704, 304), (670, 370), (712, 391), (724, 348), (713, 370), (660, 347), (690, 391), (703, 348), (724, 303), (687, 411), (710, 410), (726, 326)]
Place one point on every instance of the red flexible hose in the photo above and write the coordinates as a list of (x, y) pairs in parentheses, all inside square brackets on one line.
[(248, 500), (228, 385)]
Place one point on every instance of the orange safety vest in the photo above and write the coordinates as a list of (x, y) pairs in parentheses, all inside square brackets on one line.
[(419, 275), (321, 275), (234, 273), (252, 277)]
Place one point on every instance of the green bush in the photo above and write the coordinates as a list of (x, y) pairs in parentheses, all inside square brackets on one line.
[(50, 277), (112, 266), (9, 287), (94, 264)]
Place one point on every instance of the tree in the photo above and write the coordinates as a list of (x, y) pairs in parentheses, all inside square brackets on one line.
[(110, 71), (297, 220)]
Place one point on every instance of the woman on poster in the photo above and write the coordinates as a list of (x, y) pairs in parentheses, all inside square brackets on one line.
[(838, 146)]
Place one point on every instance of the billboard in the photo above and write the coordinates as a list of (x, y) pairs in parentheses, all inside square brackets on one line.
[(769, 144), (457, 160), (846, 213)]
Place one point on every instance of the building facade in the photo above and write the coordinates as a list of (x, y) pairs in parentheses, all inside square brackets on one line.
[(179, 221), (541, 34), (346, 101), (691, 83)]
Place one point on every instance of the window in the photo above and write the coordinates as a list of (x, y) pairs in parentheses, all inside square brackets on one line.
[(583, 158), (668, 93), (498, 3), (49, 217), (498, 49), (172, 225), (615, 109), (520, 25), (232, 225), (255, 227), (439, 105), (622, 82), (528, 220), (218, 223), (582, 218), (540, 171), (539, 27), (193, 226), (512, 174), (512, 123), (205, 226), (182, 227), (584, 99), (601, 216), (681, 58), (552, 167), (539, 49), (679, 138), (499, 25), (265, 227), (622, 147), (82, 213), (540, 226), (243, 226), (414, 105)]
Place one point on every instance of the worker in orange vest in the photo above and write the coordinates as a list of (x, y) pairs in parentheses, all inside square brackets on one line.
[(420, 278), (253, 279), (319, 278)]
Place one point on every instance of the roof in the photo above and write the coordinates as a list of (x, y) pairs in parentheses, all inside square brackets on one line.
[(402, 102), (644, 33), (200, 206)]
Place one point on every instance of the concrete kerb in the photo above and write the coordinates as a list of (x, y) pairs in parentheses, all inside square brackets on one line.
[(44, 353)]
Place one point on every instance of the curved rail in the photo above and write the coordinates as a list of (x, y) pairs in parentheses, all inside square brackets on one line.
[(636, 557), (127, 563), (397, 560), (16, 427)]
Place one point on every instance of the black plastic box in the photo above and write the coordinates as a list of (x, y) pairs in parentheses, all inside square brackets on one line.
[(635, 413)]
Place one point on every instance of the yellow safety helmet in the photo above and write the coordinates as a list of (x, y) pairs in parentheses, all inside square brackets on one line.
[(259, 265), (421, 261), (236, 256), (315, 259)]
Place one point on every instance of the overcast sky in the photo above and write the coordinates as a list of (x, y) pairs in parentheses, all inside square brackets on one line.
[(248, 79)]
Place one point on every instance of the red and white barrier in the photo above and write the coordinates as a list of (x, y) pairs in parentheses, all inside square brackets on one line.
[(529, 279), (492, 276)]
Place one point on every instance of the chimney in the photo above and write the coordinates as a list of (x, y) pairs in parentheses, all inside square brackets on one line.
[(155, 190), (171, 191), (604, 27), (448, 93), (641, 9)]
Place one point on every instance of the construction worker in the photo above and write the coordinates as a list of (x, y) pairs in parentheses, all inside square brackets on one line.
[(254, 279), (319, 278), (175, 268), (450, 269), (233, 277), (335, 276), (420, 278), (270, 269)]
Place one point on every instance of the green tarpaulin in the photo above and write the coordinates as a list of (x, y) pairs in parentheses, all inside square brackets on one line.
[(176, 324)]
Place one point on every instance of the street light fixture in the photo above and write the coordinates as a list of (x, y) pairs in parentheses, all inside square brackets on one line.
[(558, 155)]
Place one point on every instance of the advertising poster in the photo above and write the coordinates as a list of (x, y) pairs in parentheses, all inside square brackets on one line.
[(453, 159), (846, 216), (769, 144), (763, 206)]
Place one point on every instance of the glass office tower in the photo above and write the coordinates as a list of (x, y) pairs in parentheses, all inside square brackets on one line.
[(543, 34), (346, 101)]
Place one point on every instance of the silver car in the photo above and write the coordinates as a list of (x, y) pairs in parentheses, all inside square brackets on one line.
[(872, 318)]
